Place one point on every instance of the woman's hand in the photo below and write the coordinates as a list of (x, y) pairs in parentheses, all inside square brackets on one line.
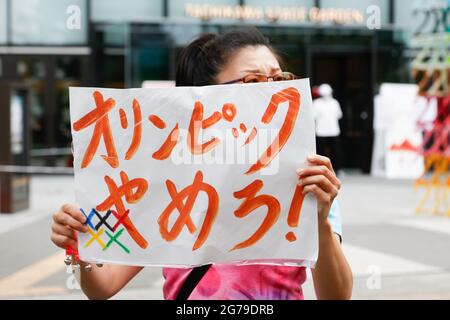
[(99, 283), (320, 180), (67, 221), (332, 275)]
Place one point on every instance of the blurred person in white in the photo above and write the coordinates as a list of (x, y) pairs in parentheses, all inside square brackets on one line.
[(327, 112)]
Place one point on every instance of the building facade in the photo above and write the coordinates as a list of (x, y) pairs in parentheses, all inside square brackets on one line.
[(52, 44)]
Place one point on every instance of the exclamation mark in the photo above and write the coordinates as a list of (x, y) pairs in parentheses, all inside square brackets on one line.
[(294, 212)]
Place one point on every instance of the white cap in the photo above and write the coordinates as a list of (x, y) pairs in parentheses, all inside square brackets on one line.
[(325, 90)]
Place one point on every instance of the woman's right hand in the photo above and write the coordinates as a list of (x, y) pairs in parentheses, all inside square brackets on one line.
[(99, 283), (67, 221)]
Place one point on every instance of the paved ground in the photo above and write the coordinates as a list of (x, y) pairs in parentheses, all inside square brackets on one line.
[(394, 253)]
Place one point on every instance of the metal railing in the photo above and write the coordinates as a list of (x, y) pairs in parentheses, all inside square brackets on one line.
[(36, 169)]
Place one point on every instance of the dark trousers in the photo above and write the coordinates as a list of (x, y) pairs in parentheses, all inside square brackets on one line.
[(330, 147)]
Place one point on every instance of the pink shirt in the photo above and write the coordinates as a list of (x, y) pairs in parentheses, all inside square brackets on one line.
[(259, 282), (231, 282)]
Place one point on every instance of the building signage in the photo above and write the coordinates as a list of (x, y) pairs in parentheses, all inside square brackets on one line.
[(341, 16)]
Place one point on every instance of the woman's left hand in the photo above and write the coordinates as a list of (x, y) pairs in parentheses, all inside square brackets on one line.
[(319, 179)]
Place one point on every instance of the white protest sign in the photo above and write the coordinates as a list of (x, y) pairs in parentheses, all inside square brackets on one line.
[(192, 175)]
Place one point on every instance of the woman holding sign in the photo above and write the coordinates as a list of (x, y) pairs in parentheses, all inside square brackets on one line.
[(235, 57)]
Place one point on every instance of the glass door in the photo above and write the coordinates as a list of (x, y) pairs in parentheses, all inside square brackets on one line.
[(349, 75)]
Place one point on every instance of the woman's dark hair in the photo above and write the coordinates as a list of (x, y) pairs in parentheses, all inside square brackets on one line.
[(202, 60)]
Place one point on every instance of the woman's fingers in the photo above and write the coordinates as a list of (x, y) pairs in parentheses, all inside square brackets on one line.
[(63, 241), (67, 220), (320, 181), (64, 231), (321, 195), (74, 212), (321, 160), (320, 170)]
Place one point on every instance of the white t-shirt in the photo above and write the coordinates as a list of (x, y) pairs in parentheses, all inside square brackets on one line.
[(327, 113)]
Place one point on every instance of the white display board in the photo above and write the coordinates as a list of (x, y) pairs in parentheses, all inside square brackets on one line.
[(193, 175)]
